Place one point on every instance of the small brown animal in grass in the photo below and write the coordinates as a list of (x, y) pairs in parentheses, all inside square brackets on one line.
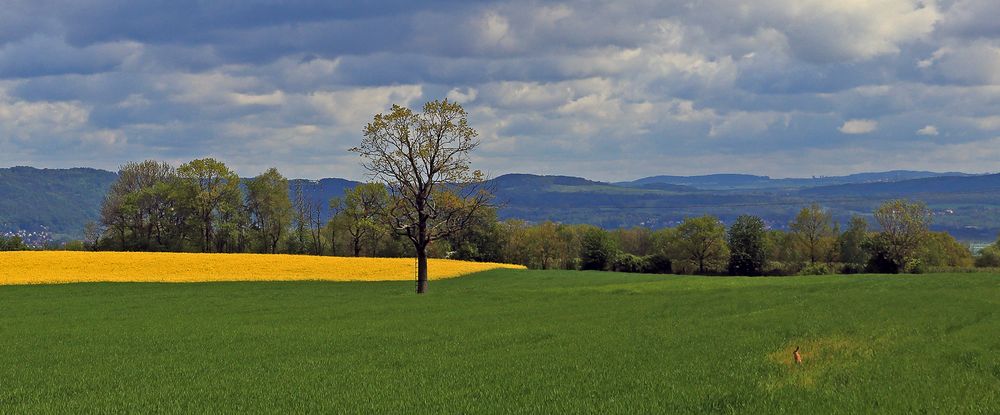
[(797, 356)]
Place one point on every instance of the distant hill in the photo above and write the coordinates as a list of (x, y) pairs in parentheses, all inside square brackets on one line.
[(746, 181), (711, 181), (534, 182), (60, 201), (321, 191), (986, 183), (968, 206)]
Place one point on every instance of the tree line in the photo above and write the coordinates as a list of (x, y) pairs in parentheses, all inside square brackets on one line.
[(814, 245), (203, 206), (427, 193), (12, 243), (428, 202)]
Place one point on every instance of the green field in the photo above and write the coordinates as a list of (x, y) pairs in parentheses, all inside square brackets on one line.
[(507, 341)]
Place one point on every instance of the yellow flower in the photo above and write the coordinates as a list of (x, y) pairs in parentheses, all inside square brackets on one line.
[(55, 267)]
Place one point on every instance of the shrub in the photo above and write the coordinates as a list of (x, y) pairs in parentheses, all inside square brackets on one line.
[(649, 264), (879, 261), (73, 246), (571, 263), (658, 264), (746, 245), (782, 269), (941, 249), (851, 268), (818, 268), (626, 262), (915, 266), (13, 243), (989, 257), (597, 250), (962, 270)]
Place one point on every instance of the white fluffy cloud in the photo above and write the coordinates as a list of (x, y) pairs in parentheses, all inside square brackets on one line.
[(976, 63), (826, 31), (928, 130), (858, 126)]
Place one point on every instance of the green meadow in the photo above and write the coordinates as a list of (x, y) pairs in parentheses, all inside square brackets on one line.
[(507, 342)]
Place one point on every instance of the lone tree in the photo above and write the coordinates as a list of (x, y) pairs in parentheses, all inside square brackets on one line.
[(423, 159)]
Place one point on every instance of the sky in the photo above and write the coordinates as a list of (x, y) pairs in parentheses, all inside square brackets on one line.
[(604, 90)]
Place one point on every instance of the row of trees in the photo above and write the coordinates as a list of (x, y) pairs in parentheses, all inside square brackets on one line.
[(13, 243), (203, 206), (815, 244), (989, 256), (426, 193), (429, 202), (199, 206)]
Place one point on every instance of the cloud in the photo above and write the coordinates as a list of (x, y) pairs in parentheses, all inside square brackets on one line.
[(465, 96), (858, 126), (46, 55), (928, 130), (975, 63), (824, 31), (972, 18), (608, 90)]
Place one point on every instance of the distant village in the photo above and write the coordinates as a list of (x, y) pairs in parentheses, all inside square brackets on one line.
[(35, 239)]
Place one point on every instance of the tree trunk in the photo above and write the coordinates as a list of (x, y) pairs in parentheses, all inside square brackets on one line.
[(207, 218), (421, 270)]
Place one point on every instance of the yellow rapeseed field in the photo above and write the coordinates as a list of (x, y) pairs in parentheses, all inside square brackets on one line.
[(56, 267)]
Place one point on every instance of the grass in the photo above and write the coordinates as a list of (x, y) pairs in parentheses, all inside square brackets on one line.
[(507, 341)]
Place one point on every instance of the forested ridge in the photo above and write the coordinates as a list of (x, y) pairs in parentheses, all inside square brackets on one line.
[(968, 207)]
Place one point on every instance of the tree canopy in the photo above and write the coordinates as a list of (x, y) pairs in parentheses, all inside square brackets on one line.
[(424, 160)]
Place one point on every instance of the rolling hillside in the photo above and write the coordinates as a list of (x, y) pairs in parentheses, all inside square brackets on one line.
[(60, 201), (967, 206), (746, 181)]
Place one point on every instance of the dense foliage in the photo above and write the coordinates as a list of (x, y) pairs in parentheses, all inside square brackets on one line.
[(597, 250), (63, 201), (747, 252), (203, 207), (12, 243), (423, 159)]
